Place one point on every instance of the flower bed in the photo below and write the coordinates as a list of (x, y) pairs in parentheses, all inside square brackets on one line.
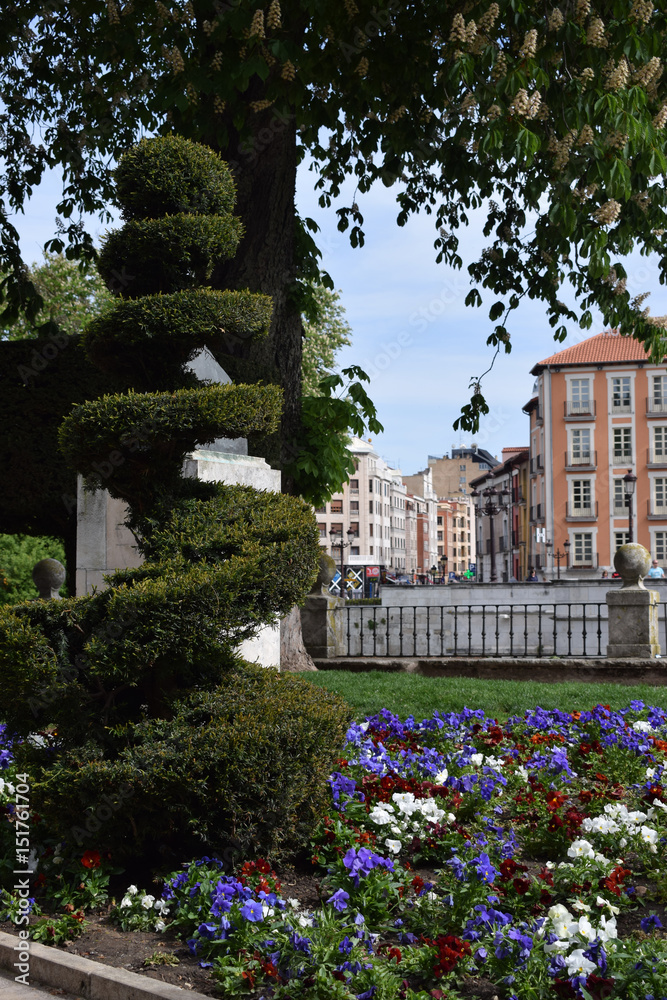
[(528, 856)]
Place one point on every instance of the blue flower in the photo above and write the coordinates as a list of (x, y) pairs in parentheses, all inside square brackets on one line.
[(485, 870), (339, 900), (648, 923), (252, 910)]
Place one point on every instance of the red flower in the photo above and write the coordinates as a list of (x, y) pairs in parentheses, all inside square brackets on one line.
[(522, 885), (91, 859)]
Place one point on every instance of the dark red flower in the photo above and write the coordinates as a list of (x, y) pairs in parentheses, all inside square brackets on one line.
[(91, 859)]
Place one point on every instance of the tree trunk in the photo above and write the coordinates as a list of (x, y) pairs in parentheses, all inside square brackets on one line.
[(294, 657), (265, 172)]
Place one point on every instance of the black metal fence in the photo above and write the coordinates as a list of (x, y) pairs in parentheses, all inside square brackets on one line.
[(534, 630)]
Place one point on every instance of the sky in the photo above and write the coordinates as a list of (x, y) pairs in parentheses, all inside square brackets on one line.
[(411, 331)]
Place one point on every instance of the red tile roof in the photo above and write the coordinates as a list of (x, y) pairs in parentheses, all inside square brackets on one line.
[(603, 348)]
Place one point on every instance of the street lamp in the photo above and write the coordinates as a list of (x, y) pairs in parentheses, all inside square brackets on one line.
[(337, 541), (495, 502), (434, 573), (443, 568), (629, 483), (558, 555)]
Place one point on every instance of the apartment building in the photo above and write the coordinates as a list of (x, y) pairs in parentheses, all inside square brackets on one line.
[(369, 516), (421, 494), (452, 475), (501, 519), (598, 416), (456, 535)]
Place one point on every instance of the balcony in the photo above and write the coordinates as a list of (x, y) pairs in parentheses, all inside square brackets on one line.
[(579, 411), (537, 512), (656, 459), (584, 562), (581, 460), (656, 407), (579, 512), (619, 509), (657, 511), (621, 406), (622, 456), (536, 464)]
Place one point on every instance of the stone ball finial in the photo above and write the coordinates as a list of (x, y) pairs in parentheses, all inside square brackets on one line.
[(48, 576), (632, 562), (327, 571)]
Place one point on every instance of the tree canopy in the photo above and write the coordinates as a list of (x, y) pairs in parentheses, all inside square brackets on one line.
[(551, 118)]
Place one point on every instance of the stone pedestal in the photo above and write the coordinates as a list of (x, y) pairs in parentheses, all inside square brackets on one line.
[(633, 623), (323, 627), (633, 610)]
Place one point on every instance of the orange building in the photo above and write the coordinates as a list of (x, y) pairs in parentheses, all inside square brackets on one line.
[(599, 412)]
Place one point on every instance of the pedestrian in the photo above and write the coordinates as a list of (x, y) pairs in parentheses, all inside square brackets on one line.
[(656, 571), (532, 576), (605, 574)]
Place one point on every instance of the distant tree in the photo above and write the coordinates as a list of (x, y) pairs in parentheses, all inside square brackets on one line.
[(72, 294), (18, 555), (324, 335)]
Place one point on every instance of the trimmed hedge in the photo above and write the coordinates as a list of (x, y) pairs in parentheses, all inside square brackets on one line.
[(155, 335), (166, 255), (172, 177), (111, 439), (241, 767)]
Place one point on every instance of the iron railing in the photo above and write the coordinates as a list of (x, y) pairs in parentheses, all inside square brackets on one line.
[(574, 629)]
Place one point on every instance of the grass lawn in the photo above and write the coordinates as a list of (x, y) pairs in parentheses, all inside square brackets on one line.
[(411, 694)]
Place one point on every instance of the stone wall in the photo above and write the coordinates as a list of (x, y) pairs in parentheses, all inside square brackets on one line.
[(555, 592)]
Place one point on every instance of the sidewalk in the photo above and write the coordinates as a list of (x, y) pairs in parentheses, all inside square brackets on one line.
[(11, 990)]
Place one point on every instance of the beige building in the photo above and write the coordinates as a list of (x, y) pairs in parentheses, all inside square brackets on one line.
[(456, 535), (452, 475)]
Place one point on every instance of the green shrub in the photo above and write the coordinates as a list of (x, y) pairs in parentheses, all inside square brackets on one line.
[(243, 766), (161, 332), (166, 255), (172, 176)]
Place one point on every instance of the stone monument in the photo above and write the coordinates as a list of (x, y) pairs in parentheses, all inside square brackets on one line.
[(323, 629), (48, 575), (633, 610), (105, 544)]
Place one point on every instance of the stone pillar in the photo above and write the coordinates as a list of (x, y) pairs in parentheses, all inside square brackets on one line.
[(633, 610), (321, 623)]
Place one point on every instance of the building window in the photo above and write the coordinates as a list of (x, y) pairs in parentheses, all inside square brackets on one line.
[(439, 519), (440, 536), (659, 450), (354, 484), (336, 506), (370, 485), (622, 444), (370, 506), (337, 529), (621, 538), (660, 546), (620, 506), (354, 550), (660, 496), (321, 510), (370, 551), (659, 395), (580, 446), (370, 530), (323, 530), (620, 394), (583, 548), (354, 527), (581, 496), (462, 468), (580, 395), (354, 506)]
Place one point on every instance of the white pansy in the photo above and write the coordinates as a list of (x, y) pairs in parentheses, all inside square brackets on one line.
[(477, 759), (306, 919), (380, 814), (586, 928), (441, 777), (522, 772), (650, 837), (147, 902), (294, 903), (451, 818), (642, 727), (132, 890), (607, 931), (605, 903), (393, 845), (600, 824), (660, 805), (650, 772), (581, 906), (580, 849), (160, 925), (267, 911), (396, 830), (162, 906), (126, 901), (578, 965), (405, 802)]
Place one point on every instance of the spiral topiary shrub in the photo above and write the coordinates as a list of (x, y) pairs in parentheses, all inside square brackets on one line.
[(139, 685)]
